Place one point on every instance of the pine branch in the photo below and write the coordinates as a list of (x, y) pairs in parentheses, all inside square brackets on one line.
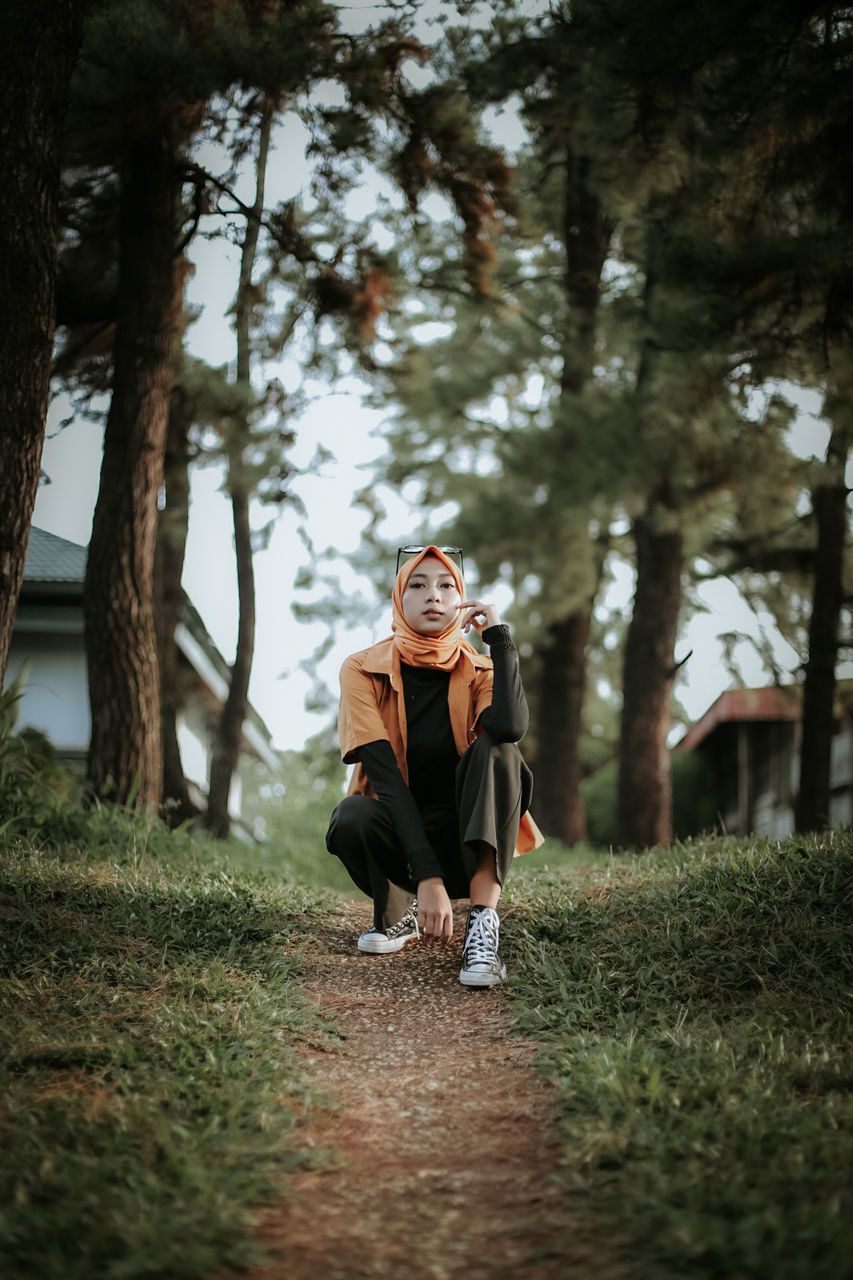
[(500, 304), (205, 176)]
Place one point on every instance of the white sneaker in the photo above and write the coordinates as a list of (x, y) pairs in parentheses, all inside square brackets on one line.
[(481, 961), (381, 942)]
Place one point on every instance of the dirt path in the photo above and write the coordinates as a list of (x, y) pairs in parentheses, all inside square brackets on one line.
[(445, 1133)]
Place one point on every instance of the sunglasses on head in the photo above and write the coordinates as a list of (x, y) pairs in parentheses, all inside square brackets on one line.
[(452, 553)]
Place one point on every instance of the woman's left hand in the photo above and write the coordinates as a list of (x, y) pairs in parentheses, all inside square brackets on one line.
[(478, 615)]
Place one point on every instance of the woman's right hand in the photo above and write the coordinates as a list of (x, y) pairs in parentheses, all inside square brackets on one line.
[(435, 914)]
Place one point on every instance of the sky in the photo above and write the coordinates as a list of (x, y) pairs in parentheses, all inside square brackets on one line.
[(339, 421)]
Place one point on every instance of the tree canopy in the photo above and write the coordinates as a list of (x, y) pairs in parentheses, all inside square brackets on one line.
[(588, 346)]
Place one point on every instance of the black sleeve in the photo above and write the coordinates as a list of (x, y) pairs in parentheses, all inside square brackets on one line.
[(383, 774), (507, 718)]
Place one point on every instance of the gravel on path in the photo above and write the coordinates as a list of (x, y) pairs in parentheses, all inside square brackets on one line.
[(448, 1155)]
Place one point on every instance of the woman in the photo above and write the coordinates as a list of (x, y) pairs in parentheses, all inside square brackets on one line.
[(437, 804)]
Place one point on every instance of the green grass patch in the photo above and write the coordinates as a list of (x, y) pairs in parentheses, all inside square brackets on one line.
[(151, 1091), (304, 862), (695, 1012), (293, 806)]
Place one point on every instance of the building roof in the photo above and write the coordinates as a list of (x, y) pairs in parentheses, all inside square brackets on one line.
[(53, 559), (52, 562), (744, 706)]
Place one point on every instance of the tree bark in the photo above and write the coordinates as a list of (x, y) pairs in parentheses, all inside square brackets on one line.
[(124, 683), (226, 751), (227, 746), (559, 806), (644, 807), (586, 235), (172, 527), (830, 510), (40, 45)]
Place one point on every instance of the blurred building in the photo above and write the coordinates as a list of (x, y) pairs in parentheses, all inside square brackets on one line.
[(749, 743), (49, 640)]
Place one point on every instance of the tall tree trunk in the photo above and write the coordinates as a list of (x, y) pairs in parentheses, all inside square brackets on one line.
[(559, 806), (40, 44), (124, 683), (227, 746), (559, 809), (226, 750), (644, 809), (830, 510), (172, 527), (586, 236)]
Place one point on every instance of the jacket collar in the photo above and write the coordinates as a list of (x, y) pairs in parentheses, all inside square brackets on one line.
[(383, 659)]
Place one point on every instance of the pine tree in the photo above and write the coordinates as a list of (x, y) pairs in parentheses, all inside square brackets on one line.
[(786, 74), (186, 411), (121, 646), (694, 185), (138, 124), (228, 737), (40, 45), (660, 431), (823, 132), (556, 338)]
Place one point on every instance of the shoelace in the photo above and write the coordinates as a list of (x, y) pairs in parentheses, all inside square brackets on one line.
[(481, 940), (409, 919)]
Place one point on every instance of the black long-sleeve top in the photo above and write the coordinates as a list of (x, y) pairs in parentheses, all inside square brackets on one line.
[(431, 755)]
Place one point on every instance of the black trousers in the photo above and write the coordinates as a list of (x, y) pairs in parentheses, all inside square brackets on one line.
[(493, 789)]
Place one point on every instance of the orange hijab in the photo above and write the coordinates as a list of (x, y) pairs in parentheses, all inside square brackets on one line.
[(441, 651)]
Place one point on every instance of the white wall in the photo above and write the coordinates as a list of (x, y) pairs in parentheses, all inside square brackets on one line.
[(194, 741), (56, 701), (56, 693)]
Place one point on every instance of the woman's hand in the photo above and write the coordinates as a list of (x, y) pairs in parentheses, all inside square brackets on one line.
[(435, 914), (479, 615)]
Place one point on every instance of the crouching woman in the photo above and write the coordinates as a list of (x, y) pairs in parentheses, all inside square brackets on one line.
[(438, 801)]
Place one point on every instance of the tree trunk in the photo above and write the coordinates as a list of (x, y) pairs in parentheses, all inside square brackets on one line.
[(644, 812), (226, 751), (124, 683), (559, 806), (40, 44), (586, 236), (227, 747), (172, 528), (830, 509)]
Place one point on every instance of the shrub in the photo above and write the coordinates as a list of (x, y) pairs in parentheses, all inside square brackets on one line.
[(34, 784)]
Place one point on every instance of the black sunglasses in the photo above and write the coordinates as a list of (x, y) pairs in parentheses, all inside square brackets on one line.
[(452, 553)]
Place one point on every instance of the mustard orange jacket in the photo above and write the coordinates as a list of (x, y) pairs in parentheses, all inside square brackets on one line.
[(372, 710)]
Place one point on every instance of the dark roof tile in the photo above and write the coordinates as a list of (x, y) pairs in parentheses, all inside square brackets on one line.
[(52, 559)]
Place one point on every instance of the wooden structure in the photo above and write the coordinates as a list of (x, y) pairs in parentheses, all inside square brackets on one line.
[(750, 741)]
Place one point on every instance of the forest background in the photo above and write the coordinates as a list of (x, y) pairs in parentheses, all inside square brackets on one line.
[(582, 263)]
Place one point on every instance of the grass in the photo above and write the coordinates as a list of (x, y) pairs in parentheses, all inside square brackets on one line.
[(300, 858), (151, 1090), (694, 1008)]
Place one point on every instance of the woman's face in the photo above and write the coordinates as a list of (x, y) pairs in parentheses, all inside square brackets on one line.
[(431, 598)]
